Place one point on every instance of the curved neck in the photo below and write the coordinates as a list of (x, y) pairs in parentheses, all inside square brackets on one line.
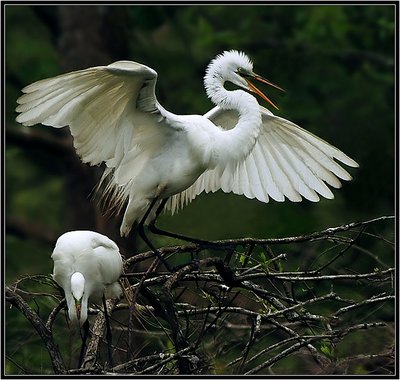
[(236, 143)]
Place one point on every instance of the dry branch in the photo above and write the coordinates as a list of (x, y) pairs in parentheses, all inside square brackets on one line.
[(37, 323), (193, 307), (32, 138)]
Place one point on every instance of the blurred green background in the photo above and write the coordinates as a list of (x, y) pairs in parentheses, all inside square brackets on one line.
[(336, 63)]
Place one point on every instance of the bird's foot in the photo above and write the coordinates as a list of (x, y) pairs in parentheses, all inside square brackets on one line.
[(157, 231)]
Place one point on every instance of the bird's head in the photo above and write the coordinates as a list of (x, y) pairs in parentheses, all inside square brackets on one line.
[(235, 67), (77, 290)]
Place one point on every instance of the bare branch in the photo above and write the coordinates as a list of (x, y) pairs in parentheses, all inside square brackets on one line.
[(53, 314), (30, 229), (99, 325), (305, 340), (270, 312), (37, 323), (363, 303), (33, 138)]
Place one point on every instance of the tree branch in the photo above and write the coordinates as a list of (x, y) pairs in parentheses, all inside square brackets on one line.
[(32, 138), (278, 312), (229, 244), (32, 230), (89, 361), (37, 323)]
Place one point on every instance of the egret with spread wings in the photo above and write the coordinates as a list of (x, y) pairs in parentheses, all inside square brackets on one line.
[(153, 156)]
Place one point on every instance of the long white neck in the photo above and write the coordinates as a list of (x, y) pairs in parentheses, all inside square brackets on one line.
[(235, 144)]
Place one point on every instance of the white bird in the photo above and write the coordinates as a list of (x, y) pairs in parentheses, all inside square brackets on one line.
[(153, 155), (87, 265)]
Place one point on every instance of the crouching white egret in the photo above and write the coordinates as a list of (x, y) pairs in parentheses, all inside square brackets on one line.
[(87, 265), (152, 155)]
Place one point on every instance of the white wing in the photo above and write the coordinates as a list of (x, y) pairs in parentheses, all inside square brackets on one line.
[(286, 161), (107, 255), (113, 115), (106, 107)]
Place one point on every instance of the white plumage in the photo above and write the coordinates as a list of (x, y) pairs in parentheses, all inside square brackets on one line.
[(238, 146), (86, 265)]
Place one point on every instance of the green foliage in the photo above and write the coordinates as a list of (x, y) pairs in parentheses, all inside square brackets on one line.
[(30, 51)]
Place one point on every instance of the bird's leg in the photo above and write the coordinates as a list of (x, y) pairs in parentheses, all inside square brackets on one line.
[(108, 333), (147, 213), (85, 328), (154, 229), (140, 230)]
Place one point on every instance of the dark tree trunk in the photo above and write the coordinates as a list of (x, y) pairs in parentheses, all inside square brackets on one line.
[(83, 43)]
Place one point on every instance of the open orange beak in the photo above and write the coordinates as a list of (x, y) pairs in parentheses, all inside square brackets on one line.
[(254, 89)]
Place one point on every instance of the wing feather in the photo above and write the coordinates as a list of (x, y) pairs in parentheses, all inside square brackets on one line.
[(304, 166), (290, 167), (286, 161), (268, 183), (323, 151), (253, 172), (243, 175), (113, 116), (106, 254), (278, 173), (314, 161), (98, 104)]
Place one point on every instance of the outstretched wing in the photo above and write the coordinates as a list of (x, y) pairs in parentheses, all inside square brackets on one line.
[(103, 106), (286, 161)]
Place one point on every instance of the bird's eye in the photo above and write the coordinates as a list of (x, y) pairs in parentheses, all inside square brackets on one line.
[(242, 73)]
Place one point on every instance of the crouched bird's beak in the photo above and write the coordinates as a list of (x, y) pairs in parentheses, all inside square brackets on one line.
[(78, 309)]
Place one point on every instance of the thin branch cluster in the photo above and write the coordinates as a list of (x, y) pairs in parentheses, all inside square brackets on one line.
[(238, 306)]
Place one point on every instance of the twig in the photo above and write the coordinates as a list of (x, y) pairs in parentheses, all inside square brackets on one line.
[(233, 243), (165, 358), (37, 323), (89, 360), (283, 276), (53, 314), (305, 340), (363, 303), (265, 296), (132, 306)]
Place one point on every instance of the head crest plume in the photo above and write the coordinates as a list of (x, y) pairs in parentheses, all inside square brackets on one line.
[(231, 58), (238, 57), (223, 68)]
